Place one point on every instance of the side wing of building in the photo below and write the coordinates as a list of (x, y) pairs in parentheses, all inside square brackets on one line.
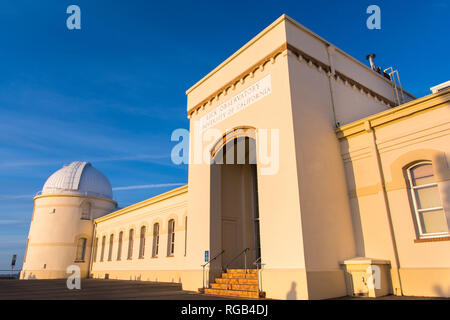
[(398, 179), (145, 241)]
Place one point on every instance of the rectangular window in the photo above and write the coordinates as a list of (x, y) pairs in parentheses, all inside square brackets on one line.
[(86, 211), (95, 249), (102, 253), (142, 243), (171, 238), (81, 249), (155, 240), (119, 247), (130, 245), (110, 251), (430, 215)]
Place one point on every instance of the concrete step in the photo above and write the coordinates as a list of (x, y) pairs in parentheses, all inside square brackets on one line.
[(242, 270), (243, 287), (237, 281), (240, 275), (235, 293)]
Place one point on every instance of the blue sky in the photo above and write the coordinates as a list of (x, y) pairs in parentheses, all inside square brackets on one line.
[(113, 92)]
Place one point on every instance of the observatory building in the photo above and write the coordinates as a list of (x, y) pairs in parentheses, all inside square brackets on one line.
[(311, 176), (62, 222)]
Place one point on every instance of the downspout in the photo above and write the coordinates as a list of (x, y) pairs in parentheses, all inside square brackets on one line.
[(371, 131), (94, 234), (331, 73)]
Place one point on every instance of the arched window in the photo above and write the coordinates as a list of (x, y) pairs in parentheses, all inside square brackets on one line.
[(102, 253), (171, 238), (431, 219), (155, 240), (130, 244), (86, 211), (142, 243), (119, 247), (111, 242), (81, 249), (95, 249)]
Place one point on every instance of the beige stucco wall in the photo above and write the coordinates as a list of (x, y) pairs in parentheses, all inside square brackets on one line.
[(324, 203), (52, 239), (160, 209), (305, 217), (416, 131)]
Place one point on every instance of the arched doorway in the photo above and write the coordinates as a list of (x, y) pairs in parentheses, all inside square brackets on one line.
[(234, 208)]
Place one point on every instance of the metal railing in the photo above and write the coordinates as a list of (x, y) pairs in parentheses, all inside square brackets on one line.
[(396, 85), (259, 267), (10, 274), (237, 256), (204, 265)]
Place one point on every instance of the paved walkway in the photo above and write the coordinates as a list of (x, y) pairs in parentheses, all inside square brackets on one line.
[(97, 289), (94, 289)]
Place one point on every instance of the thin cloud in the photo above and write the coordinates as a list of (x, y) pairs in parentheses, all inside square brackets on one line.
[(60, 162), (13, 197), (8, 222), (149, 186), (142, 186)]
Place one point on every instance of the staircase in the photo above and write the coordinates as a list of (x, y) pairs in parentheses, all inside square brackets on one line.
[(241, 283)]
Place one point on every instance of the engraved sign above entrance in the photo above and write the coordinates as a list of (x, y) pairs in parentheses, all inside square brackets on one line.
[(237, 103)]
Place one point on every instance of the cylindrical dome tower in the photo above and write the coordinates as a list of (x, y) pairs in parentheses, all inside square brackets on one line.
[(61, 229)]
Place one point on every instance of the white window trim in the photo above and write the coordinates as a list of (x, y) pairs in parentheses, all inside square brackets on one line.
[(417, 211)]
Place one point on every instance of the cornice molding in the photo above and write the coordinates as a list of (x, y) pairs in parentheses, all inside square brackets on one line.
[(72, 195), (287, 49), (411, 108), (240, 79), (337, 75)]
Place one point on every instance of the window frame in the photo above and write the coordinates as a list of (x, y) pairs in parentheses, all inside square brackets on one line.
[(142, 233), (83, 250), (111, 245), (417, 211), (94, 253), (171, 238), (87, 205), (102, 253), (119, 246), (130, 244), (155, 246)]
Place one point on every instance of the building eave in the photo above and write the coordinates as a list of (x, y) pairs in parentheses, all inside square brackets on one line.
[(426, 103)]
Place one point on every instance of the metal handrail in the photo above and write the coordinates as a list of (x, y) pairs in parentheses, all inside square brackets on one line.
[(240, 253), (204, 265), (245, 261), (259, 272), (10, 273)]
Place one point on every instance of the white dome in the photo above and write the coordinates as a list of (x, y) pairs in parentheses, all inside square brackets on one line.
[(78, 178)]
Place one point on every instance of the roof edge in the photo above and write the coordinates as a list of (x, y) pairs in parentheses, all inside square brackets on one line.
[(158, 198), (419, 105), (282, 18)]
